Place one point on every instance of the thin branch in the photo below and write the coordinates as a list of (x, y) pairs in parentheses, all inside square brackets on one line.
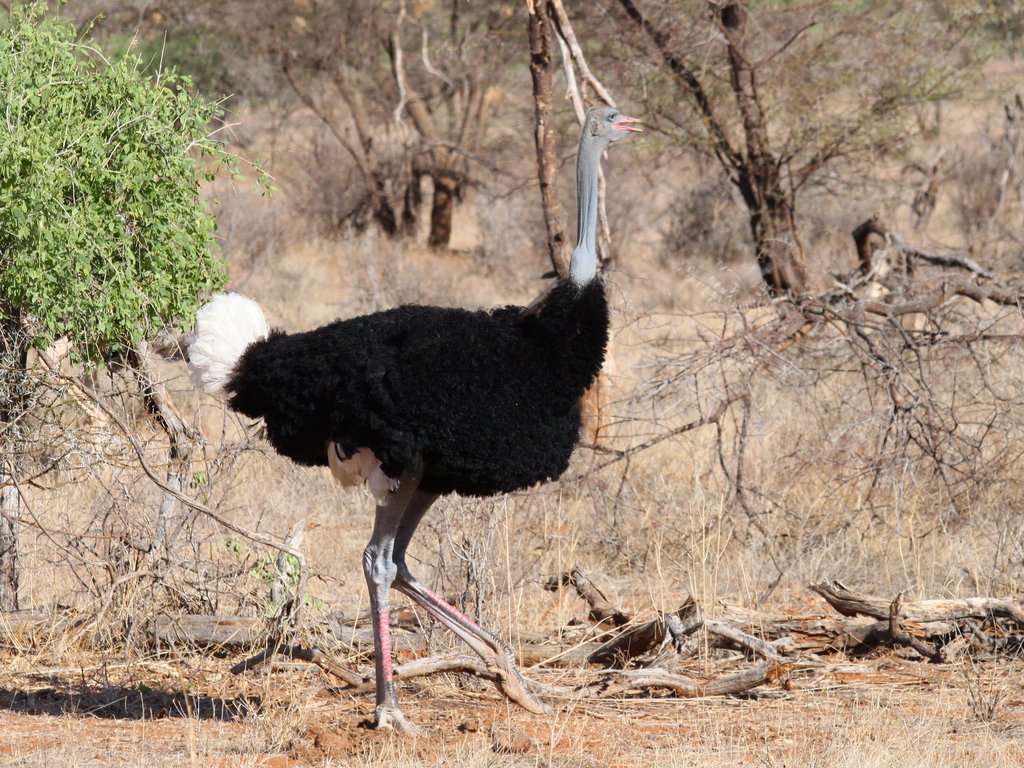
[(566, 33), (726, 153), (427, 64), (155, 479), (688, 687), (299, 653), (719, 411)]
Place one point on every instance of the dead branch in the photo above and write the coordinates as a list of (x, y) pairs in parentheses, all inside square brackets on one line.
[(568, 34), (616, 653), (851, 603), (639, 639), (160, 405), (813, 636), (176, 493), (873, 237), (957, 260), (600, 609), (688, 687), (744, 640), (299, 653), (719, 411), (726, 153), (929, 627)]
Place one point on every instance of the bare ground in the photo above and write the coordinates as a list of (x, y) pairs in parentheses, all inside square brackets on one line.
[(190, 711)]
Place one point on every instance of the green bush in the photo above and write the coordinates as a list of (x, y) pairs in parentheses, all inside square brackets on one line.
[(104, 235)]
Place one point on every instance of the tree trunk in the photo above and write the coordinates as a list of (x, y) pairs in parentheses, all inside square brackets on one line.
[(411, 205), (10, 509), (170, 519), (755, 170), (778, 249), (13, 361), (445, 187), (541, 68), (383, 212)]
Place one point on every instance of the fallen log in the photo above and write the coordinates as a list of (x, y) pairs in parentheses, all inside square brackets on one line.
[(616, 653), (796, 648), (900, 636), (241, 633), (850, 603), (689, 687)]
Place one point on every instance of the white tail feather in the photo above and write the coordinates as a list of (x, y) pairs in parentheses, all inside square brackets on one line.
[(225, 326)]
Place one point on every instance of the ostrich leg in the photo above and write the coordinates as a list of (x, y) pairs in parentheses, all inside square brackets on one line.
[(488, 646), (380, 571)]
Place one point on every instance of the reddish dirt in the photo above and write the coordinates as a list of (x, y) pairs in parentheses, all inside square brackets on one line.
[(293, 718)]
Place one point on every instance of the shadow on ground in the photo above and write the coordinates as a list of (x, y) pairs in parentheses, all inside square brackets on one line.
[(59, 697)]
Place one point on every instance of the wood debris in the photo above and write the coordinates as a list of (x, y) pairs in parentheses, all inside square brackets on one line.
[(618, 653)]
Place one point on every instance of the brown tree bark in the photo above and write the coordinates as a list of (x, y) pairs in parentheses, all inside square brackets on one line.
[(541, 69), (445, 188)]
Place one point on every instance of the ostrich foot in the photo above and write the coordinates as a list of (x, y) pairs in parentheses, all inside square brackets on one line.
[(511, 683), (391, 718)]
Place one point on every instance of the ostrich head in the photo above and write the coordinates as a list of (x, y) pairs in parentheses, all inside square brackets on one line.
[(602, 126), (607, 124)]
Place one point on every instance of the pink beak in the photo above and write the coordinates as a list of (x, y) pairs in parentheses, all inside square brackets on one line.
[(621, 124)]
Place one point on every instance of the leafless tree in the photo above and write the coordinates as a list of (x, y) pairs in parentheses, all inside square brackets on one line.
[(405, 93), (785, 99)]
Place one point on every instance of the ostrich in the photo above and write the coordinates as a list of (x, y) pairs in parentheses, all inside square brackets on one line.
[(421, 401)]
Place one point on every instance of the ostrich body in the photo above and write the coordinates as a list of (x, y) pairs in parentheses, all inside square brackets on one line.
[(421, 401)]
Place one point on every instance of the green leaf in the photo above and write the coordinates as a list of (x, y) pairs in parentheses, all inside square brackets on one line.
[(104, 234)]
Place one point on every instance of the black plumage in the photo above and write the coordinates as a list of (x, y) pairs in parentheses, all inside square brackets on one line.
[(476, 402)]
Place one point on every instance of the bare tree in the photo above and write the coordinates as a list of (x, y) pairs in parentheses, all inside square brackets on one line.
[(463, 101), (404, 93), (783, 99)]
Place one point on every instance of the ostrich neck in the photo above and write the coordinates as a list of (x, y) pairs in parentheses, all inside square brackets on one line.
[(583, 265)]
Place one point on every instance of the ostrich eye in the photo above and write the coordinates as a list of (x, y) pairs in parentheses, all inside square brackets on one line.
[(613, 117)]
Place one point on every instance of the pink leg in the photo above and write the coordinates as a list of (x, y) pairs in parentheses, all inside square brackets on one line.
[(488, 646), (385, 645), (380, 571)]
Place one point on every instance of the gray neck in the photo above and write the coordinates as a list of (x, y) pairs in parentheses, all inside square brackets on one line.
[(583, 265)]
